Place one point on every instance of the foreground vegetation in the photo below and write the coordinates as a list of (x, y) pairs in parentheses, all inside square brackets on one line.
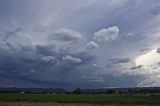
[(65, 104), (97, 99)]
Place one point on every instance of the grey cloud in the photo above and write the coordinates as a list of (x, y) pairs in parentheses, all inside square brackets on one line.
[(71, 59), (46, 50), (144, 49), (93, 78), (51, 75), (20, 66), (21, 81), (22, 48), (92, 45), (33, 65), (125, 80), (106, 34), (137, 67), (49, 59), (66, 35), (15, 38), (119, 60)]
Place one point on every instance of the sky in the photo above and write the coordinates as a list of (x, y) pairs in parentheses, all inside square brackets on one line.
[(79, 43)]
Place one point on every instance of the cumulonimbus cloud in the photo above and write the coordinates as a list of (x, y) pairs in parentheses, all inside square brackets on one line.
[(106, 34)]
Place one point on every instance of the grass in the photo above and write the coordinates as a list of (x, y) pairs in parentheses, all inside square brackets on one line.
[(98, 99), (64, 104)]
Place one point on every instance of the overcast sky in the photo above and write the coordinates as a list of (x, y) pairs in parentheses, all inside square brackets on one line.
[(79, 43)]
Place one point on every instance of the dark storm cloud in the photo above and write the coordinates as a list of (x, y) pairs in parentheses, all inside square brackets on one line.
[(113, 81), (21, 67), (137, 67), (33, 64), (45, 49), (144, 49), (21, 81), (43, 42)]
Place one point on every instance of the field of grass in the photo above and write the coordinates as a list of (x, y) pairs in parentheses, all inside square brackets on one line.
[(78, 99), (64, 104)]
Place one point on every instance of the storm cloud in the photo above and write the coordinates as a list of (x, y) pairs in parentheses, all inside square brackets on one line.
[(79, 43)]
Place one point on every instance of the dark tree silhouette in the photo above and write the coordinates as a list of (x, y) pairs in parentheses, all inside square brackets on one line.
[(77, 91)]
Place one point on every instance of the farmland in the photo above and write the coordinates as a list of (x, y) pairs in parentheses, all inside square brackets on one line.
[(17, 99)]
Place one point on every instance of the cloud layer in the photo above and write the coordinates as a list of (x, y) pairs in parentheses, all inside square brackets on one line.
[(79, 43)]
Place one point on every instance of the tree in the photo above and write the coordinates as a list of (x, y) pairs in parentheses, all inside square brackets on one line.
[(77, 91)]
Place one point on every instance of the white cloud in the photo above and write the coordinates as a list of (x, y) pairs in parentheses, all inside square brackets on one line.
[(150, 60), (71, 59), (67, 35), (48, 59), (92, 45), (106, 34), (150, 64)]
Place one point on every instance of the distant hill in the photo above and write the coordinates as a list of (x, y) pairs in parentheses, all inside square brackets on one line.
[(125, 90), (33, 90), (101, 90)]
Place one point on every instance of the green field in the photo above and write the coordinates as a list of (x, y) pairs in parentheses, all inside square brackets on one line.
[(80, 98)]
